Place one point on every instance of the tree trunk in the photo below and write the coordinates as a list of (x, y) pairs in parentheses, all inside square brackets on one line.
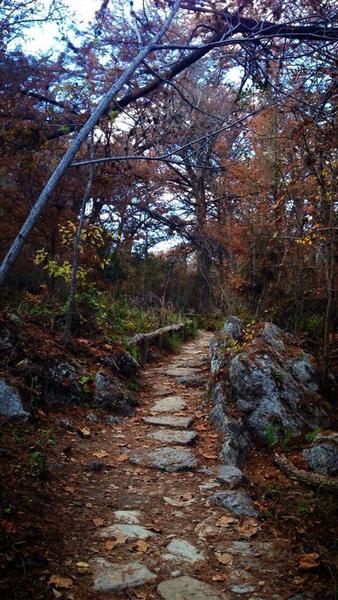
[(83, 134)]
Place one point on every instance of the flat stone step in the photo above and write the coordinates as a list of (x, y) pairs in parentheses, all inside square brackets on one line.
[(168, 421), (237, 502), (169, 404), (182, 438), (185, 550), (167, 459), (180, 372), (188, 588), (132, 532), (115, 577)]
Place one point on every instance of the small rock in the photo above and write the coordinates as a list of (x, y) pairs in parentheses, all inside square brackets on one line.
[(167, 459), (66, 424), (208, 486), (182, 438), (110, 577), (91, 418), (111, 420), (242, 589), (10, 401), (192, 380), (230, 475), (168, 421), (127, 516), (180, 372), (132, 532), (176, 573), (238, 503), (322, 458), (188, 588), (95, 465), (184, 550), (169, 404)]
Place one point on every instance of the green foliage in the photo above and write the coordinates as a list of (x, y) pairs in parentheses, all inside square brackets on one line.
[(38, 459), (173, 341), (271, 435), (311, 436)]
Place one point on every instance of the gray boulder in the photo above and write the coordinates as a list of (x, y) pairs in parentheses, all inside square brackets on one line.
[(323, 456), (126, 364), (236, 502), (112, 395), (10, 401), (270, 383)]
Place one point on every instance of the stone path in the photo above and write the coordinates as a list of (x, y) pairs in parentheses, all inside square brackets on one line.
[(182, 526)]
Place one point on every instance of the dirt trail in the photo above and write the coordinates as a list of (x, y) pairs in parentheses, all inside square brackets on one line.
[(139, 531)]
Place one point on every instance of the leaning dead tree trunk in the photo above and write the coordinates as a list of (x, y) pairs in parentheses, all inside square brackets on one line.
[(312, 479), (139, 338), (76, 144), (76, 245), (142, 340)]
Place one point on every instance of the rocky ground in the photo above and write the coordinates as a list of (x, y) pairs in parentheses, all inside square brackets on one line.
[(141, 508)]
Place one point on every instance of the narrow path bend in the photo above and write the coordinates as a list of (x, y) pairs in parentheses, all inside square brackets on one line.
[(156, 535)]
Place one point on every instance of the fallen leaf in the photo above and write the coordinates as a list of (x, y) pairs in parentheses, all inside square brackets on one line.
[(219, 577), (61, 582), (201, 427), (249, 528), (141, 546), (122, 458), (57, 594), (82, 566), (70, 489), (225, 521), (224, 558), (308, 561), (109, 545), (173, 502), (120, 538), (85, 432), (187, 496), (98, 522), (208, 456), (100, 454)]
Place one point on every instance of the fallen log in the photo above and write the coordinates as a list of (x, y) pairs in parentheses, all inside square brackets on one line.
[(140, 338), (312, 479)]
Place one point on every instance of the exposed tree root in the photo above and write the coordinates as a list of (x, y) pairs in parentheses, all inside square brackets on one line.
[(312, 479)]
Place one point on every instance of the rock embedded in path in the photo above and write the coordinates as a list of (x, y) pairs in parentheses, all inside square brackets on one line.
[(127, 516), (230, 475), (131, 532), (185, 550), (110, 577), (182, 438), (168, 421), (192, 380), (169, 404), (236, 502), (167, 459), (188, 588), (181, 372), (161, 390)]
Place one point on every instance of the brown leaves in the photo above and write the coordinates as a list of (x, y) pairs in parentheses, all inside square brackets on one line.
[(63, 583), (308, 561), (85, 431), (122, 458), (98, 522), (248, 528), (224, 558), (140, 546), (100, 454)]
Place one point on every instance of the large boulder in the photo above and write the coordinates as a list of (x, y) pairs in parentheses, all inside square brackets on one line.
[(261, 381), (10, 401), (322, 457), (113, 396)]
